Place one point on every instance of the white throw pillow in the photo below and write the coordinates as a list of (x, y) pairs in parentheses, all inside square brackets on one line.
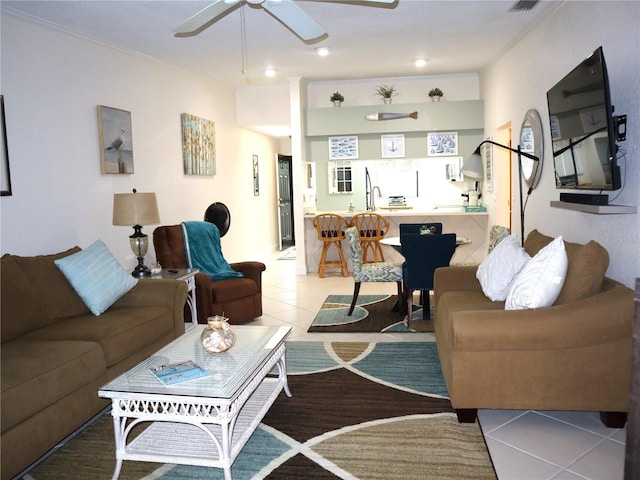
[(498, 270), (539, 283), (96, 276)]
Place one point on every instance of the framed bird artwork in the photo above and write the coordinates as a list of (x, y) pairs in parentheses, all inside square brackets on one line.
[(116, 144)]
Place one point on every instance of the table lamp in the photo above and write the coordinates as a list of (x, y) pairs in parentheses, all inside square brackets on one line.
[(134, 210)]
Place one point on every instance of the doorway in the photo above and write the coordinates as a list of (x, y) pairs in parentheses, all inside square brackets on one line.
[(285, 202), (502, 178)]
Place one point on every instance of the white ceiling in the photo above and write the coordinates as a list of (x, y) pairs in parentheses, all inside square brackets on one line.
[(366, 40)]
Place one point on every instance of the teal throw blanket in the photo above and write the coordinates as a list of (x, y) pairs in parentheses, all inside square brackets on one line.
[(202, 244)]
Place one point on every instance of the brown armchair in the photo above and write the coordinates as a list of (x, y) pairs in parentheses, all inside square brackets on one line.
[(240, 299)]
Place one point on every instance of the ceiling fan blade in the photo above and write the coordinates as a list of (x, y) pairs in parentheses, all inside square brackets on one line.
[(205, 17), (295, 18)]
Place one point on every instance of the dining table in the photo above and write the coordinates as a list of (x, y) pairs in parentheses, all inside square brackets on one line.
[(397, 245)]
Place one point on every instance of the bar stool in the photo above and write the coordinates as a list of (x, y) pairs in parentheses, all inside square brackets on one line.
[(330, 229), (372, 228)]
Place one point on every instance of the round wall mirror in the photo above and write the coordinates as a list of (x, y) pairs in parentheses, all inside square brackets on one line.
[(531, 142)]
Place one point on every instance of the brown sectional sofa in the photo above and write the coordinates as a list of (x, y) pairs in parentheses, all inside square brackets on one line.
[(574, 355), (56, 353)]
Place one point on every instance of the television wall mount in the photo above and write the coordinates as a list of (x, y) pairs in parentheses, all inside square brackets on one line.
[(620, 124)]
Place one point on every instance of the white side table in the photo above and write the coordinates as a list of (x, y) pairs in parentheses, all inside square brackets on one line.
[(188, 276)]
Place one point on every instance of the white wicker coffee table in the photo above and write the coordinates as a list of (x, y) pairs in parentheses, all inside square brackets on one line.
[(205, 421)]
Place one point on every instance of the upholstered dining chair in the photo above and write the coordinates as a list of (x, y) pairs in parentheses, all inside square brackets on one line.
[(423, 254), (497, 233), (372, 228), (416, 227), (330, 230), (370, 272)]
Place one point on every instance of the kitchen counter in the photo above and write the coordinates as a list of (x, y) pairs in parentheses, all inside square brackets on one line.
[(407, 211), (472, 225)]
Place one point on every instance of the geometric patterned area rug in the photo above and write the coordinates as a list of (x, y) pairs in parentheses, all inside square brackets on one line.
[(372, 313), (358, 411)]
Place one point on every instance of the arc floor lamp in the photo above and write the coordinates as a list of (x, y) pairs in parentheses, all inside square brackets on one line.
[(531, 148), (474, 170)]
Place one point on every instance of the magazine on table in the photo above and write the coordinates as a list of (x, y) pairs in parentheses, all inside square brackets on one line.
[(179, 372)]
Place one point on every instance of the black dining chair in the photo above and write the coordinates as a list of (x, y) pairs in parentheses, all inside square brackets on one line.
[(423, 254), (416, 227)]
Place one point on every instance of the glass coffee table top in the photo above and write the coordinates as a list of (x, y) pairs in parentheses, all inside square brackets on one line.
[(228, 370)]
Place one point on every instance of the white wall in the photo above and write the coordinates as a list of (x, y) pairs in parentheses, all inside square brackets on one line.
[(52, 82), (520, 79), (264, 108)]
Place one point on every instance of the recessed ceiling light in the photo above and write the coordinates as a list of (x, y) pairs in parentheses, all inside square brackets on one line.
[(420, 62), (270, 72), (322, 51)]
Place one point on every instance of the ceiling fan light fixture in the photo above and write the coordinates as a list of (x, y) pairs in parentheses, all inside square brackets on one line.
[(323, 51), (523, 5)]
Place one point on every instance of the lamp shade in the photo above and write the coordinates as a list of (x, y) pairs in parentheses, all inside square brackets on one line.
[(472, 167), (130, 209)]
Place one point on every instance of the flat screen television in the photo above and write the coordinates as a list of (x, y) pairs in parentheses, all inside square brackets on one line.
[(584, 130)]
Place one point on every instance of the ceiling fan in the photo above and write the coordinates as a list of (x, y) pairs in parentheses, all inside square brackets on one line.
[(286, 11)]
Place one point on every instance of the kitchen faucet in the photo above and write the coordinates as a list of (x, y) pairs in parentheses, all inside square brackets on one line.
[(373, 198)]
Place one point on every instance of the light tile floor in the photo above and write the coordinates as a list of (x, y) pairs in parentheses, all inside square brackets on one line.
[(523, 444)]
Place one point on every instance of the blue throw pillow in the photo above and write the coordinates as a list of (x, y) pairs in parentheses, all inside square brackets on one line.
[(96, 276)]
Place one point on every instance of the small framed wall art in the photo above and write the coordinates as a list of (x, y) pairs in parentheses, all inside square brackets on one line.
[(5, 176), (198, 145), (440, 144), (256, 176), (486, 151), (392, 146), (343, 148), (116, 143)]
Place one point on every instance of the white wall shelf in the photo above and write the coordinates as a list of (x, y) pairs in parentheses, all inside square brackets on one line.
[(597, 209), (432, 116), (464, 117)]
